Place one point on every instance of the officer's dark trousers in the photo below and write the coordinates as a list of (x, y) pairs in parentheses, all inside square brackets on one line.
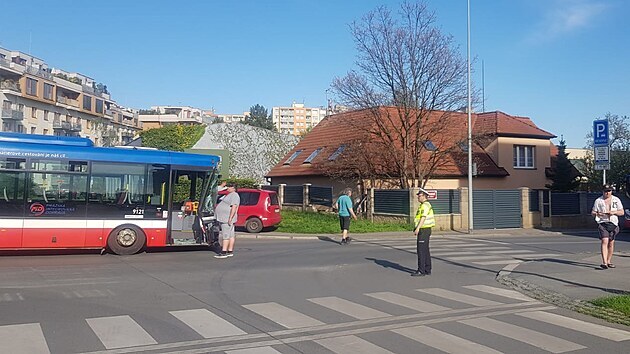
[(424, 255)]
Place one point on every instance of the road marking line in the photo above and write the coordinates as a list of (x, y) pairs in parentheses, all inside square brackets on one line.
[(405, 301), (25, 338), (593, 329), (467, 299), (512, 294), (119, 332), (351, 345), (348, 307), (472, 258), (443, 341), (258, 350), (282, 315), (452, 253), (537, 339), (510, 251), (206, 323), (504, 261)]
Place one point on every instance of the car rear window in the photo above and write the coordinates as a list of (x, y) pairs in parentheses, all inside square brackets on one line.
[(274, 199), (249, 198)]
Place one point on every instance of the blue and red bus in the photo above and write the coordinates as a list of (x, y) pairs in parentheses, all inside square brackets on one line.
[(63, 192)]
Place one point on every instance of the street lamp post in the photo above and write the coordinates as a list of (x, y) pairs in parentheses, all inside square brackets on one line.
[(470, 152)]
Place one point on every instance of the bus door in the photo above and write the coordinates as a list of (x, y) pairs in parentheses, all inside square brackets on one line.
[(12, 189), (56, 204), (185, 203)]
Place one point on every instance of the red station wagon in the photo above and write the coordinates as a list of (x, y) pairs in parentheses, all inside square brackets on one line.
[(259, 209)]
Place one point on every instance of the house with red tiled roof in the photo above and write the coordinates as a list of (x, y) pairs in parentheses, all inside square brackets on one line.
[(508, 152)]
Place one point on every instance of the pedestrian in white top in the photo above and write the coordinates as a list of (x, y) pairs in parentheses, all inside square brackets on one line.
[(606, 210)]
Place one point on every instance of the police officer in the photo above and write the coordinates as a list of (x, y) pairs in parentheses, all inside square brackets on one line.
[(424, 222)]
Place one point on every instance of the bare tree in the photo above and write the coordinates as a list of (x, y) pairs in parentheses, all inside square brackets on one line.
[(405, 62)]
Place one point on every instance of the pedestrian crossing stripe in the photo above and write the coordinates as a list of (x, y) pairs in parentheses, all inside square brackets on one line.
[(119, 332), (207, 324), (351, 345), (443, 341), (282, 315), (525, 335)]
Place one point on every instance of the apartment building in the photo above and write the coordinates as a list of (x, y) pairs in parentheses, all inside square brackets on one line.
[(159, 116), (296, 119), (233, 118), (38, 99)]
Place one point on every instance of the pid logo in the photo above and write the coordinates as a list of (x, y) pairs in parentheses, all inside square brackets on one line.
[(37, 209)]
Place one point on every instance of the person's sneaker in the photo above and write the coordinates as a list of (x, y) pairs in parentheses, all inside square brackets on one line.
[(603, 266), (348, 239), (230, 254), (343, 241), (417, 274), (221, 255)]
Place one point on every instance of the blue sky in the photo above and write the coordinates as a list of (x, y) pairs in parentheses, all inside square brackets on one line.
[(563, 63)]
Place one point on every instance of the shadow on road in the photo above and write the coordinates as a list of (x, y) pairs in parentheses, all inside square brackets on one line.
[(387, 264), (328, 239)]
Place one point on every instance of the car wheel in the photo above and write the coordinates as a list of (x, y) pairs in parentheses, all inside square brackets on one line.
[(126, 239), (254, 225)]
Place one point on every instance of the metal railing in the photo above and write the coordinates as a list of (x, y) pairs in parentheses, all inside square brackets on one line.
[(67, 101), (39, 72), (12, 114), (10, 85)]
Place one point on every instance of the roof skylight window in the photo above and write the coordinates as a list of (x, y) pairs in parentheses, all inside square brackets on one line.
[(336, 154), (313, 154), (293, 156)]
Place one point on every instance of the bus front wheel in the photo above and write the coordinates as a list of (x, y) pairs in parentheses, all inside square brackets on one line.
[(126, 239)]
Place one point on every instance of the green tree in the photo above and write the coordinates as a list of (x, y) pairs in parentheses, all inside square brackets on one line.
[(259, 117), (564, 176), (173, 137)]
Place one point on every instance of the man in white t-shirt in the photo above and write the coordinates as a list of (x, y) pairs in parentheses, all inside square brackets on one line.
[(606, 210)]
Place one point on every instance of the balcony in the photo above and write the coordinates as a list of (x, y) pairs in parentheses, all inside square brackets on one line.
[(89, 89), (68, 126), (39, 72), (12, 114), (67, 101), (10, 85)]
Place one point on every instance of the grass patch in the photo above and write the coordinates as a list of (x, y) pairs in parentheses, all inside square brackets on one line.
[(299, 222), (619, 303)]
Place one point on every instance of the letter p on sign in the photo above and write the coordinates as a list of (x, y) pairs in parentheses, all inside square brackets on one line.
[(600, 133)]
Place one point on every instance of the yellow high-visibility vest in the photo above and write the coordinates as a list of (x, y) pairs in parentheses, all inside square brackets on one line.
[(425, 209)]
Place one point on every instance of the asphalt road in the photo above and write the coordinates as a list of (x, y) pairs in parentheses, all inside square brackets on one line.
[(294, 296)]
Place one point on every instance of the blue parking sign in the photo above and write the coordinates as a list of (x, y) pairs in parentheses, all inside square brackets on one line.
[(600, 133)]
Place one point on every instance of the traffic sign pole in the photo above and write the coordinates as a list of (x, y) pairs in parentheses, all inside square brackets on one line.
[(601, 147)]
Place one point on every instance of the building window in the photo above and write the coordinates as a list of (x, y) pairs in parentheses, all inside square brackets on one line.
[(34, 112), (46, 115), (45, 132), (31, 86), (293, 156), (6, 104), (48, 91), (313, 154), (99, 106), (33, 130), (87, 103), (336, 153), (523, 156)]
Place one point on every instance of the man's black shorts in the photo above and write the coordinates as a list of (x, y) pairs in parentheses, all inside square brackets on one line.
[(344, 222)]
